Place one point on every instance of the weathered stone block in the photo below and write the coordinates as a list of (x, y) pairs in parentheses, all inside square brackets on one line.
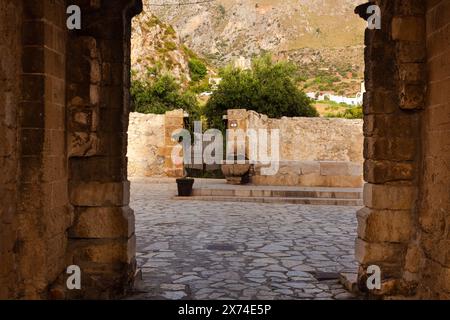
[(100, 194), (410, 52), (393, 149), (313, 180), (385, 225), (379, 252), (408, 7), (408, 28), (413, 259), (412, 96), (103, 222), (108, 251), (309, 167), (83, 144), (388, 171), (390, 197), (333, 168), (412, 72)]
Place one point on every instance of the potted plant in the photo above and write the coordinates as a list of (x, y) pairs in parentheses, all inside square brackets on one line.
[(185, 185)]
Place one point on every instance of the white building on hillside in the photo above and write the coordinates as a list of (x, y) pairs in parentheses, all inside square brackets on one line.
[(242, 63), (356, 101)]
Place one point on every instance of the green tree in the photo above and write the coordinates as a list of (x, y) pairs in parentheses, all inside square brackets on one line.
[(268, 88), (161, 94)]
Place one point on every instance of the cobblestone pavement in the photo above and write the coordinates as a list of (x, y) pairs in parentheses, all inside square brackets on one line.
[(217, 250)]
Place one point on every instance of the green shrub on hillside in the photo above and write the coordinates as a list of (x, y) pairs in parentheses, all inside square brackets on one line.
[(350, 113), (197, 69), (170, 45), (200, 86)]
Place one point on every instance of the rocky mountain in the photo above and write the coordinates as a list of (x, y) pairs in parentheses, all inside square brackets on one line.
[(324, 37), (224, 29), (156, 48)]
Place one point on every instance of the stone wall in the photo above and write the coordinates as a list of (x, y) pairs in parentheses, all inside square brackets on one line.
[(44, 174), (339, 174), (10, 70), (42, 214), (150, 144), (145, 140), (434, 213), (314, 139)]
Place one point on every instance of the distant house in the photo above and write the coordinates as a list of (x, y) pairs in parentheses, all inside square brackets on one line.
[(356, 101), (242, 63)]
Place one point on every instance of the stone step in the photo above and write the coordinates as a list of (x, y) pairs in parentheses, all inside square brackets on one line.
[(266, 193), (285, 200)]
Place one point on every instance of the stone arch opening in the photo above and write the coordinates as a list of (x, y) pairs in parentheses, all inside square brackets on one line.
[(164, 124)]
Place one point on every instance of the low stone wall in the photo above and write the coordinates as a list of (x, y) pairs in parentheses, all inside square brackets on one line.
[(322, 152), (312, 174), (314, 139), (150, 144), (145, 138)]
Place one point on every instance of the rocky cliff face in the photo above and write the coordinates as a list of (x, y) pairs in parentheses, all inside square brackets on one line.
[(156, 48), (323, 37), (224, 29)]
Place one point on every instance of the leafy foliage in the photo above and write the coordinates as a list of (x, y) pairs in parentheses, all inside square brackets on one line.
[(197, 69), (349, 113), (159, 95), (268, 88)]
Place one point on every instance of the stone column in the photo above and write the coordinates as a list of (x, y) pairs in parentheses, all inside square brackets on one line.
[(395, 75), (238, 122), (173, 121), (101, 240), (42, 212)]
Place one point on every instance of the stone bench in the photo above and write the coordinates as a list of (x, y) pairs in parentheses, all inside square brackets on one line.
[(312, 174)]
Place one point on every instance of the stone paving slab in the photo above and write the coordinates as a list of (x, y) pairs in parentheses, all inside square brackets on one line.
[(309, 201), (220, 250)]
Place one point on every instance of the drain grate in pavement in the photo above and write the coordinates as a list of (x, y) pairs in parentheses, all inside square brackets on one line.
[(322, 276), (221, 247)]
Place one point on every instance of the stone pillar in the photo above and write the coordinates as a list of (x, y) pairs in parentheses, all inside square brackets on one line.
[(238, 120), (101, 240), (42, 212), (173, 121), (395, 81)]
